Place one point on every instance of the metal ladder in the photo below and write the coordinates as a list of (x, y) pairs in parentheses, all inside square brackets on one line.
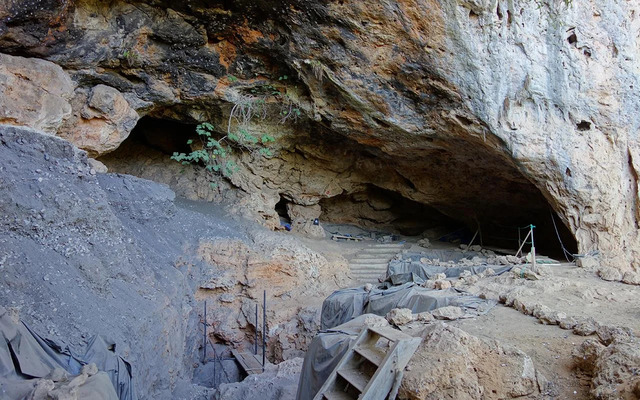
[(372, 366)]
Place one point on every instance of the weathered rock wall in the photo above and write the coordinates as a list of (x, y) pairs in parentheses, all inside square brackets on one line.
[(485, 110)]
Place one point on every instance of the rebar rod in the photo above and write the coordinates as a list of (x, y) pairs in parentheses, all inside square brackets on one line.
[(204, 338), (264, 328)]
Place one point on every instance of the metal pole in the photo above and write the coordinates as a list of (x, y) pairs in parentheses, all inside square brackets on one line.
[(264, 328), (204, 339), (255, 347), (474, 238), (523, 243), (534, 268)]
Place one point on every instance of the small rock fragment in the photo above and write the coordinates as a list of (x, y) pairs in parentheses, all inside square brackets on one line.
[(608, 334), (424, 317), (513, 259), (585, 327), (227, 298), (90, 369), (399, 316), (429, 284), (439, 277), (442, 284), (588, 262), (448, 313), (610, 274), (631, 278), (568, 323), (586, 355), (553, 318), (472, 279)]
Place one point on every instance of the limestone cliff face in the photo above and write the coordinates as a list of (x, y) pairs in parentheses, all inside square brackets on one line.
[(485, 110)]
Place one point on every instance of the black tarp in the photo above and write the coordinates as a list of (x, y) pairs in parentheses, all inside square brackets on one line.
[(346, 304), (412, 269), (26, 357), (326, 350)]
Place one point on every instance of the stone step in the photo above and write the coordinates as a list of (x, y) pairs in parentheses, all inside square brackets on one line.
[(367, 264), (380, 251), (374, 281), (368, 273), (368, 269), (370, 259)]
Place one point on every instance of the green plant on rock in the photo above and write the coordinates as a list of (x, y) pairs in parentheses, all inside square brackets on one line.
[(215, 154), (131, 57)]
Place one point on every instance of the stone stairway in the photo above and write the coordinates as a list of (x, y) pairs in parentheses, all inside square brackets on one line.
[(370, 263)]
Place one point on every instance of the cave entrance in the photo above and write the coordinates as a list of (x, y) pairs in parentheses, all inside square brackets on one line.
[(377, 209), (281, 210), (146, 153), (157, 135)]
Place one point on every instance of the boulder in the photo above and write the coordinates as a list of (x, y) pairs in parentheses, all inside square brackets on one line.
[(451, 364), (102, 120), (613, 368), (34, 93)]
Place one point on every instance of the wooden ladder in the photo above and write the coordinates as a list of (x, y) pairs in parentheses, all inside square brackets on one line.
[(372, 366)]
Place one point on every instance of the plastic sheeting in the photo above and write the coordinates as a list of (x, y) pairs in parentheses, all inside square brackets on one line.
[(344, 305), (25, 357), (419, 299), (325, 352), (410, 269)]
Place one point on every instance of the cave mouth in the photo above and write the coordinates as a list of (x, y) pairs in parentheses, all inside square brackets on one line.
[(475, 190), (163, 135), (281, 210), (378, 209)]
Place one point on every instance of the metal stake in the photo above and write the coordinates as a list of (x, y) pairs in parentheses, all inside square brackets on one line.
[(534, 268), (264, 328), (255, 347), (204, 341)]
